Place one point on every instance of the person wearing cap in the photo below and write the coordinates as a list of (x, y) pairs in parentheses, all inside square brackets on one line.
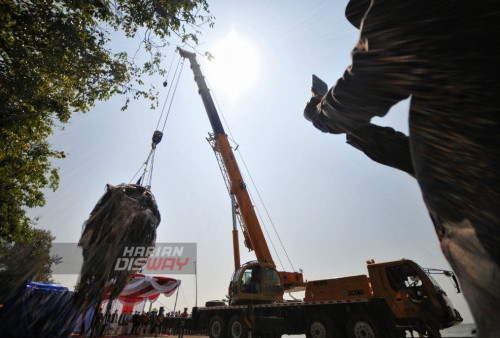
[(439, 54)]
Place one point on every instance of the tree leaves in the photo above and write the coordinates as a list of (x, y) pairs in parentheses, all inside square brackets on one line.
[(27, 259), (55, 60)]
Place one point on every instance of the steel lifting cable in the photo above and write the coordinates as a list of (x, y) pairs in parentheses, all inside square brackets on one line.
[(147, 167), (165, 84), (267, 213)]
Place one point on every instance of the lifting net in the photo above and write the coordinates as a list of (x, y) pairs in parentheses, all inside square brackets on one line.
[(126, 215)]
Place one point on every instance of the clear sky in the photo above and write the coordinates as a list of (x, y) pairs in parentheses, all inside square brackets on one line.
[(332, 206)]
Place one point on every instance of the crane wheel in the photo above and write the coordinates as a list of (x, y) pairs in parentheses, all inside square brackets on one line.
[(362, 326), (236, 327), (320, 326), (216, 327)]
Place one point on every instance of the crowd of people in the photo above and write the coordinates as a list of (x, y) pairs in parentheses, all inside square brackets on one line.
[(152, 322)]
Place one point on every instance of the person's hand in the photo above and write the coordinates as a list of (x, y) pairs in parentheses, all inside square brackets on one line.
[(313, 113), (311, 110)]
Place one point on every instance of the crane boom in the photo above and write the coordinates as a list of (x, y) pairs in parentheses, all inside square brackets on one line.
[(252, 231), (254, 238)]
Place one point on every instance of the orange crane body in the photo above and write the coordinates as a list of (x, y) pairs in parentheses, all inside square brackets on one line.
[(254, 238)]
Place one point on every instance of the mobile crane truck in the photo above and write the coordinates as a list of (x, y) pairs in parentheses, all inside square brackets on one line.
[(395, 296)]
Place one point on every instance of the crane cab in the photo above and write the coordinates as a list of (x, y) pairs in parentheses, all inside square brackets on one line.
[(410, 291), (255, 283)]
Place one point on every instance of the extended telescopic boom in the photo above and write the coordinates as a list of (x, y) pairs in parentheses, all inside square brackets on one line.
[(254, 238)]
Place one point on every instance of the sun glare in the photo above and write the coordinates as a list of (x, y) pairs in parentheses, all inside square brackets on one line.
[(235, 66)]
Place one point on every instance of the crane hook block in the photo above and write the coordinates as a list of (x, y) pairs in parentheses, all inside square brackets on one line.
[(157, 135)]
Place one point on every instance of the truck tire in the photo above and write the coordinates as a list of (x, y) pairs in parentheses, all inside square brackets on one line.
[(216, 327), (362, 326), (320, 326), (236, 327)]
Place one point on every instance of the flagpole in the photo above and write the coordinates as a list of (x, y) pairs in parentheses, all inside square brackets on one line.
[(176, 296), (196, 285)]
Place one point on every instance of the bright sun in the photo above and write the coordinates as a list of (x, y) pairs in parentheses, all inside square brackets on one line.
[(235, 67)]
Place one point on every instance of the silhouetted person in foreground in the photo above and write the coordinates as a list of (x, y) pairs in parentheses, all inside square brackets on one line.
[(439, 53)]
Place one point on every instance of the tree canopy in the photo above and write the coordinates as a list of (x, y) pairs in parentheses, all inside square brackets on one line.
[(55, 60)]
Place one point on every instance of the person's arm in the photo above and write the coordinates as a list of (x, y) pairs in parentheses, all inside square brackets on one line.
[(383, 145), (381, 74)]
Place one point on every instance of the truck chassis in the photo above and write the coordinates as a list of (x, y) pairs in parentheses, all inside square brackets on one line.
[(364, 317)]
